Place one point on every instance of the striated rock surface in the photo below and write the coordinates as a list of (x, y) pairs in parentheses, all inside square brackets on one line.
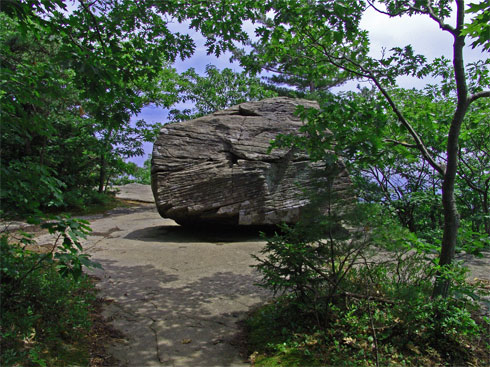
[(216, 169)]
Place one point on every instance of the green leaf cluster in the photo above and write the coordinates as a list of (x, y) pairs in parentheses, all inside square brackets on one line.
[(45, 298), (360, 296), (479, 27), (71, 79), (216, 90)]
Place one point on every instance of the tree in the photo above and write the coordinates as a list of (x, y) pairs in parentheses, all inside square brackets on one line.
[(283, 50), (71, 79), (118, 137), (39, 106), (216, 90), (331, 29), (53, 138)]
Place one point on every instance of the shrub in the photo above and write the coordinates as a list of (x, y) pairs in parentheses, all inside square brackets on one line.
[(356, 290), (28, 187), (45, 298)]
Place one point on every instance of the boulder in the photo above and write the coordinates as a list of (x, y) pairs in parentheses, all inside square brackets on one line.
[(217, 169)]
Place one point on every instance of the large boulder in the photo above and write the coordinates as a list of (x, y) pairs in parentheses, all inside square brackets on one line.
[(217, 169)]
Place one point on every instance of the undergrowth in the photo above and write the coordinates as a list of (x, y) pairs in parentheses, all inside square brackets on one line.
[(46, 299), (354, 289), (364, 332), (91, 203)]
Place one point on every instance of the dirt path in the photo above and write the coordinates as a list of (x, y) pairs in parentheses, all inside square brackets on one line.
[(177, 294)]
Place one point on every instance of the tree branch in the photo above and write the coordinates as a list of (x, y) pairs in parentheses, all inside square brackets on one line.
[(392, 15), (442, 25), (370, 298), (474, 97), (468, 180), (96, 24), (429, 11), (368, 74), (396, 142), (418, 141), (315, 43)]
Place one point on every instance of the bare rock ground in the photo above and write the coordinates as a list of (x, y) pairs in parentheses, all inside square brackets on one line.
[(135, 192), (176, 294)]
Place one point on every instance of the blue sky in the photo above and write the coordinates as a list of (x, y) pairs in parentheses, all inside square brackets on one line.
[(419, 31)]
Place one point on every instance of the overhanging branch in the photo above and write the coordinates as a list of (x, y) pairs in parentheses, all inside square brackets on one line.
[(96, 24), (396, 142), (368, 74), (478, 95), (444, 26), (418, 141)]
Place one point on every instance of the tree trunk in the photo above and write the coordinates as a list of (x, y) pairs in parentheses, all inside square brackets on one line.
[(107, 183), (450, 211), (449, 238), (486, 219), (312, 86), (102, 173), (106, 149)]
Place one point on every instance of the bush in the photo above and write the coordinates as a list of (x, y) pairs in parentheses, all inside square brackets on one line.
[(356, 290), (82, 200), (27, 187), (133, 173), (45, 298), (314, 259)]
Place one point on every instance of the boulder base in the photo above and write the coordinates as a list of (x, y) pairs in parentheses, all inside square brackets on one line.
[(217, 170)]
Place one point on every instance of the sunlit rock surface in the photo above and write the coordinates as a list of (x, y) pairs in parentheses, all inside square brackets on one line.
[(217, 170)]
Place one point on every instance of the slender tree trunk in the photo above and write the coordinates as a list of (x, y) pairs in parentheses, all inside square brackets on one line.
[(450, 211), (312, 86), (450, 234), (486, 219), (102, 173), (41, 154), (103, 161), (107, 183)]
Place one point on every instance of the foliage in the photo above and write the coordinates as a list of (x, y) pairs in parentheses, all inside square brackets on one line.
[(289, 41), (45, 298), (28, 184), (362, 300), (334, 38), (133, 173), (143, 174), (479, 28), (355, 285), (312, 259), (367, 333), (72, 76), (386, 168), (216, 90)]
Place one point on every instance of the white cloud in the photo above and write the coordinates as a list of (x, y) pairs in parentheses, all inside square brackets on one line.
[(419, 31)]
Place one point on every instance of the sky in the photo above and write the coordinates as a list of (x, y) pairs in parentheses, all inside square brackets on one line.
[(419, 31)]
